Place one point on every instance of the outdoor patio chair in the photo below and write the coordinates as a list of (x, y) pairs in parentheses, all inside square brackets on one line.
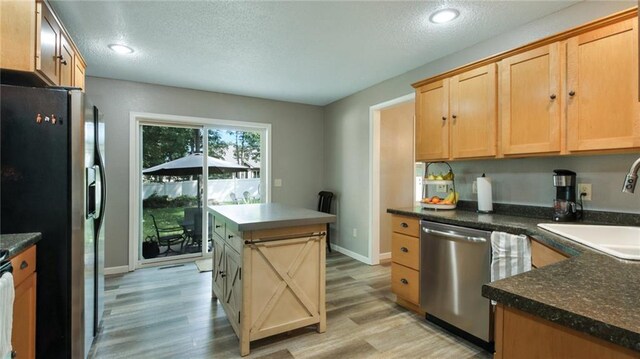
[(193, 227), (324, 205), (169, 236)]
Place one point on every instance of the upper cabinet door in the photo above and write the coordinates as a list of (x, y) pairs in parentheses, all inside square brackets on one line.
[(474, 113), (432, 121), (48, 34), (67, 55), (78, 75), (602, 88), (530, 101)]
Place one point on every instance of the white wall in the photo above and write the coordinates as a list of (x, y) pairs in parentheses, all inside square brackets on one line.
[(347, 134), (297, 143)]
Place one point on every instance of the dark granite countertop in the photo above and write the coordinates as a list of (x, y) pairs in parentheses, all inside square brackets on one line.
[(16, 243), (591, 292)]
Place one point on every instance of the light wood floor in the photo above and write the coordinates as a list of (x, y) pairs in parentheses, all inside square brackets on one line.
[(168, 313)]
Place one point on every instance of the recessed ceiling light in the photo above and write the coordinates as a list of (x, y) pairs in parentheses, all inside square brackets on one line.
[(121, 49), (444, 15)]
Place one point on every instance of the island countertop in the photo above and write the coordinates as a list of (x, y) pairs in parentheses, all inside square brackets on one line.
[(251, 217)]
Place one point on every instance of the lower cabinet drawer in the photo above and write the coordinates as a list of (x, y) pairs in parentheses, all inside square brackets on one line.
[(405, 282), (405, 225), (23, 265), (405, 250)]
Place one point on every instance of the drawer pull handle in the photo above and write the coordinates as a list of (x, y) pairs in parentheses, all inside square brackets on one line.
[(404, 281), (24, 265), (404, 249), (230, 236), (222, 274), (218, 225), (404, 225)]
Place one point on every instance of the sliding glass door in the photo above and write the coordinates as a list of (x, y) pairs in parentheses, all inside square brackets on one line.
[(184, 166), (171, 173)]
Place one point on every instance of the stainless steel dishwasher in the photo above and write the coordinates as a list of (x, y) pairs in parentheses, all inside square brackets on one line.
[(455, 262)]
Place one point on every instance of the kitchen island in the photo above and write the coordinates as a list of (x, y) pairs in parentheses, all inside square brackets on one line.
[(269, 268)]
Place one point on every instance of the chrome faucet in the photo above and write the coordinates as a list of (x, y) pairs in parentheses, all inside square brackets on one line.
[(631, 178)]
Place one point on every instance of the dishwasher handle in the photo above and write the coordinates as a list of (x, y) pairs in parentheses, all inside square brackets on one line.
[(455, 235)]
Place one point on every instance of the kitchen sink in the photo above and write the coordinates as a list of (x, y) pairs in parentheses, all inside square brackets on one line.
[(618, 241)]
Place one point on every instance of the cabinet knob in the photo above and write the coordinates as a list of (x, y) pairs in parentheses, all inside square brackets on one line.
[(24, 265), (444, 118), (218, 225), (222, 274), (404, 281), (572, 93), (64, 62), (553, 97), (454, 116), (230, 236), (404, 249), (404, 225)]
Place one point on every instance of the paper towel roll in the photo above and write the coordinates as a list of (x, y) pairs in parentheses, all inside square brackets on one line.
[(485, 201)]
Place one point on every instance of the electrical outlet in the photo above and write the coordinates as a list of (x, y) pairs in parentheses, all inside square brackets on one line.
[(444, 188), (355, 232), (585, 188), (474, 187)]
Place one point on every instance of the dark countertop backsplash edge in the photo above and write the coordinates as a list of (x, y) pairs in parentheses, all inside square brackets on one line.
[(590, 216)]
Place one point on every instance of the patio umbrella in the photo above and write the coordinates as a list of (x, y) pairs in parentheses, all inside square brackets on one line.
[(192, 165)]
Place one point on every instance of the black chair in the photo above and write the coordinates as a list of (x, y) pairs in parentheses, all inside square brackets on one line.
[(193, 227), (168, 237), (324, 205)]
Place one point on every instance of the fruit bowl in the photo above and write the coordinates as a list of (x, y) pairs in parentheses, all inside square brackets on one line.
[(438, 206)]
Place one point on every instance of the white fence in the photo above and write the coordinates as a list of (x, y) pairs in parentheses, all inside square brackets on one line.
[(220, 190)]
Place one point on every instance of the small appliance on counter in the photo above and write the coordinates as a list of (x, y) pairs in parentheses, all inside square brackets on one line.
[(564, 205), (442, 184), (485, 194)]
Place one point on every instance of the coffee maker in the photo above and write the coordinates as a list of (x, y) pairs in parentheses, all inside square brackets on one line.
[(564, 205)]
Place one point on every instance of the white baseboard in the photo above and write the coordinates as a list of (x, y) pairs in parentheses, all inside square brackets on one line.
[(116, 270), (385, 256), (351, 254)]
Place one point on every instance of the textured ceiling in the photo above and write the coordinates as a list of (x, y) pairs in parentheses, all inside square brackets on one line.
[(307, 52)]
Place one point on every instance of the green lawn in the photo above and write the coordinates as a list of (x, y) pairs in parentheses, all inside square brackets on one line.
[(166, 217)]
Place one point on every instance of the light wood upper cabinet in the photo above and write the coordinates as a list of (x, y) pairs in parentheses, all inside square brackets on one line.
[(602, 88), (79, 72), (531, 101), (48, 41), (18, 35), (573, 92), (34, 41), (432, 122), (66, 59), (474, 113)]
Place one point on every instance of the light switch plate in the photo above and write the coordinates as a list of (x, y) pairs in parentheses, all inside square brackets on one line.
[(277, 182)]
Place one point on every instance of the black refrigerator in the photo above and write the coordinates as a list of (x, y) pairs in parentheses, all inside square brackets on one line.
[(53, 181)]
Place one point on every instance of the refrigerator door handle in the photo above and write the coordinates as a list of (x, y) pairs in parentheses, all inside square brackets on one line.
[(101, 203)]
